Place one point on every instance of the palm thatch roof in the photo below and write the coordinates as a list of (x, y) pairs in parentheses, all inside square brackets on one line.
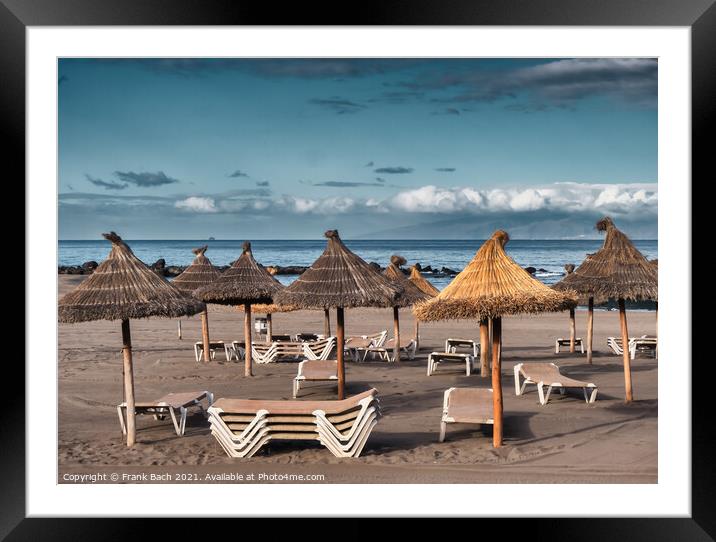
[(493, 285), (616, 271), (411, 293), (200, 273), (340, 278), (422, 283), (123, 287), (244, 282)]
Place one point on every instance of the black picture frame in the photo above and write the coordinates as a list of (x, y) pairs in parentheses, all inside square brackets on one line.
[(699, 15)]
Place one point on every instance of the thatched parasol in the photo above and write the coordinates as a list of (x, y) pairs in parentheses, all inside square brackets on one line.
[(616, 271), (425, 286), (200, 273), (122, 287), (493, 285), (410, 296), (244, 283), (339, 278)]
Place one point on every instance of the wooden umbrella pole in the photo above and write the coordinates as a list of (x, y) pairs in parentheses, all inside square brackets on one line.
[(497, 382), (417, 335), (484, 348), (205, 335), (590, 329), (128, 382), (248, 368), (326, 323), (269, 328), (340, 342), (179, 329), (396, 334), (572, 330), (625, 352)]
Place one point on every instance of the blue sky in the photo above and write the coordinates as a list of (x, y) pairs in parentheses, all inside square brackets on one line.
[(392, 148)]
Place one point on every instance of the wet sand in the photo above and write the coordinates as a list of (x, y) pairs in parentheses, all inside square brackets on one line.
[(566, 441)]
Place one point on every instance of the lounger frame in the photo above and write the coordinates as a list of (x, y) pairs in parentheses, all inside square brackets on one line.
[(561, 384)]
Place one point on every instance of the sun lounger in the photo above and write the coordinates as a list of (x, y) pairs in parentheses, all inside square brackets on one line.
[(168, 404), (213, 347), (315, 371), (466, 405), (235, 350), (319, 349), (643, 345), (547, 374), (559, 343), (436, 358), (357, 346), (451, 346), (243, 426), (615, 343), (385, 352), (271, 352)]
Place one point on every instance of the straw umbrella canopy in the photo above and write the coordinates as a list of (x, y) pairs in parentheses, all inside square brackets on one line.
[(200, 273), (616, 271), (339, 279), (122, 287), (490, 286), (425, 286), (244, 283), (410, 296)]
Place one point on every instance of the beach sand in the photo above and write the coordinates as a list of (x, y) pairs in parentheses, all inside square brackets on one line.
[(566, 441)]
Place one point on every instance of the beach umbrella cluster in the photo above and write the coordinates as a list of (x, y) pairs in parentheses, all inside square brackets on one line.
[(244, 283), (493, 285), (410, 296), (200, 273), (123, 288), (617, 271), (340, 279)]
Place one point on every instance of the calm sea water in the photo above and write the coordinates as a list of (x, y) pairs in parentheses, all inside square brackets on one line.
[(550, 255)]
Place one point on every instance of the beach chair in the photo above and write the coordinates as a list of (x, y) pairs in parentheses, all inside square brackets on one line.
[(358, 347), (243, 426), (271, 352), (386, 351), (319, 349), (466, 405), (168, 404), (319, 370), (214, 346), (615, 343), (559, 343), (643, 345), (451, 346), (436, 358), (235, 350), (548, 374)]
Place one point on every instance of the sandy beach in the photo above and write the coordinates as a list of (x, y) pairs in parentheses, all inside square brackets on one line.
[(565, 441)]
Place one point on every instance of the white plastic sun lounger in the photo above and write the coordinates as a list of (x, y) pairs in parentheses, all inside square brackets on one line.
[(643, 345), (358, 347), (385, 352), (242, 427), (436, 358), (319, 370), (615, 343), (451, 346), (271, 352), (235, 350), (319, 349), (214, 346), (168, 404), (547, 374), (559, 343), (466, 405)]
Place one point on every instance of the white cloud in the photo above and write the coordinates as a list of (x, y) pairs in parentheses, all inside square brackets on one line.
[(197, 204)]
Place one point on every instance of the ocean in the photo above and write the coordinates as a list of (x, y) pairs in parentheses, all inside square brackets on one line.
[(550, 255)]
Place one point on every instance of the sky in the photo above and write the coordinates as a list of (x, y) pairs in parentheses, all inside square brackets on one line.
[(189, 148)]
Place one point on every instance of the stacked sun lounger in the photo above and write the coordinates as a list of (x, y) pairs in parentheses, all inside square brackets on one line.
[(319, 349), (271, 352), (243, 426)]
